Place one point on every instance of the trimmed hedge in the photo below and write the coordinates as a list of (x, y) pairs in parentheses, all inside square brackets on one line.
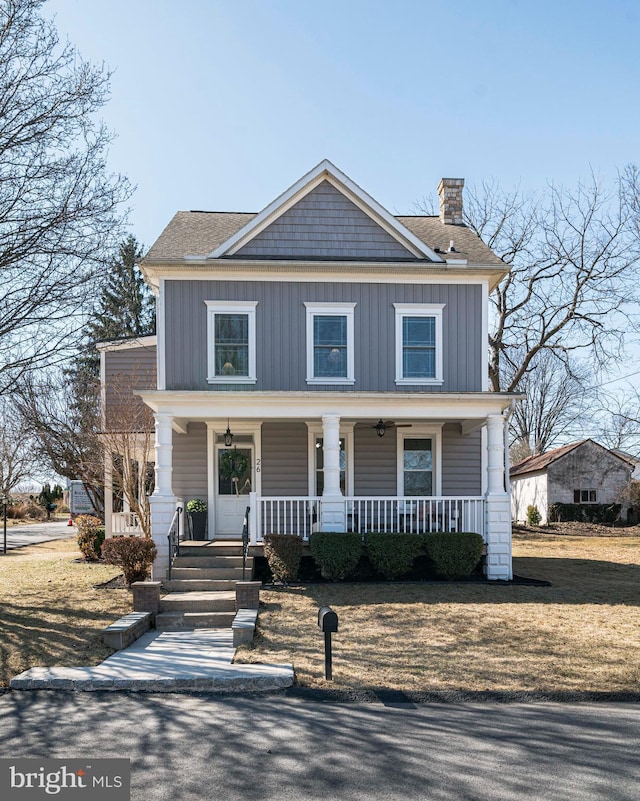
[(455, 554), (90, 536), (134, 555), (393, 555), (584, 513), (336, 553), (283, 553)]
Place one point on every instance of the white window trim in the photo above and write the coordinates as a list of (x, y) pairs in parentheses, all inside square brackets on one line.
[(230, 307), (346, 432), (403, 310), (432, 432), (328, 310)]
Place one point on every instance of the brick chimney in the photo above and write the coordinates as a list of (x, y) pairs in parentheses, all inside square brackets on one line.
[(450, 192)]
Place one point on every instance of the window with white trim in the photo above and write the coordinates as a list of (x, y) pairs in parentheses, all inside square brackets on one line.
[(419, 461), (231, 342), (330, 345), (418, 343)]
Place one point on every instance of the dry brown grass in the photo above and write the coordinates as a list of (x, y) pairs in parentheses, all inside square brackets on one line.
[(580, 634), (50, 612)]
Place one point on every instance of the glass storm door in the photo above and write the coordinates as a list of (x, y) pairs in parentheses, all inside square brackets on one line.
[(233, 483)]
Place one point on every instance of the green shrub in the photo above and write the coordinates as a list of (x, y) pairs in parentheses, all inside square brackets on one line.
[(533, 516), (283, 552), (604, 513), (196, 505), (134, 555), (455, 554), (336, 553), (393, 554)]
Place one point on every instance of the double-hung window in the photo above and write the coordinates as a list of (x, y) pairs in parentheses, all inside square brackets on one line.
[(584, 496), (418, 343), (231, 337), (330, 357)]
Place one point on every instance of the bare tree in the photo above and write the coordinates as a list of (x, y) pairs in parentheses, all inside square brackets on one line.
[(554, 406), (60, 209), (65, 431), (17, 457), (574, 258), (127, 440)]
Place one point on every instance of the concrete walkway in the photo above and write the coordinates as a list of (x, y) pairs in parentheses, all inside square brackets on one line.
[(165, 661)]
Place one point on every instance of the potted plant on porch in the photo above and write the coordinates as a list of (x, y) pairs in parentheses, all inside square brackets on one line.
[(197, 511)]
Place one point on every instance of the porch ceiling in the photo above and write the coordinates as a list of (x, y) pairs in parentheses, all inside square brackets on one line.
[(465, 408)]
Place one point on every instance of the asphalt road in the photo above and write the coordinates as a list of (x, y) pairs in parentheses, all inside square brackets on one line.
[(185, 747), (19, 536)]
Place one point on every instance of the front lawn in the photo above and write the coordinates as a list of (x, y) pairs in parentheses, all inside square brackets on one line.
[(50, 612), (580, 634)]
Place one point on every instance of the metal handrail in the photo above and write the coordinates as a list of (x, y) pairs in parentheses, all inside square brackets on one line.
[(245, 540), (174, 538)]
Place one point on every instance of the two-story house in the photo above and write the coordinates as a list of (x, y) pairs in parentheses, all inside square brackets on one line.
[(324, 363)]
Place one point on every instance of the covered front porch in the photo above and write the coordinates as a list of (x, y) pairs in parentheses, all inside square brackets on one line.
[(320, 463)]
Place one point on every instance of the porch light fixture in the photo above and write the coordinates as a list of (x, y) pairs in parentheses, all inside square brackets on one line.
[(380, 428), (228, 436)]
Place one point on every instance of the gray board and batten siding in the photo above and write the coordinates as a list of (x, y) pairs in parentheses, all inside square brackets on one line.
[(128, 368), (285, 469), (281, 332), (325, 224)]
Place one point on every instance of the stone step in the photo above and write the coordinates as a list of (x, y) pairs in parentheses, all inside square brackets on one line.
[(197, 584), (198, 602), (211, 561), (175, 621)]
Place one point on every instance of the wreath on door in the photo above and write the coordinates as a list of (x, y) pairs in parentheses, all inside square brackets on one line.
[(233, 465)]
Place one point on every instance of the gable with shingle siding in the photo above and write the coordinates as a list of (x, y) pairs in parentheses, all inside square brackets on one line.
[(325, 224)]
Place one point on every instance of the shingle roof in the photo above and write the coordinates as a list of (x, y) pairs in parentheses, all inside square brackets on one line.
[(198, 233), (533, 464)]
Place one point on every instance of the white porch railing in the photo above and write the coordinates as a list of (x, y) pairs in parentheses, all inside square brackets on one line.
[(125, 523), (303, 515)]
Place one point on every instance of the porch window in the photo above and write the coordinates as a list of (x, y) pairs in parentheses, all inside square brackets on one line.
[(584, 496), (231, 342), (418, 467), (418, 343), (320, 466), (330, 344)]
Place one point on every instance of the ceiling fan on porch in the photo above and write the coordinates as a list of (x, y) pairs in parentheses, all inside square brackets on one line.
[(382, 425)]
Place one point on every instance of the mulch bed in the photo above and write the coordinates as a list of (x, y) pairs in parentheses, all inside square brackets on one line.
[(575, 530)]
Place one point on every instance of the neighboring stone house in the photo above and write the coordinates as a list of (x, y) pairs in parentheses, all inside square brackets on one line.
[(582, 472), (335, 356)]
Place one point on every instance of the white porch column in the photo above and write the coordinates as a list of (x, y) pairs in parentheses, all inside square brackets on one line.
[(498, 505), (163, 501), (333, 516)]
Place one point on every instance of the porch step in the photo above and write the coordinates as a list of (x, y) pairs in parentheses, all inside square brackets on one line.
[(209, 548), (224, 562), (199, 584), (219, 573), (198, 602), (174, 621)]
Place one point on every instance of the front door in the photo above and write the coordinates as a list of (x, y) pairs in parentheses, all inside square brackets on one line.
[(233, 483)]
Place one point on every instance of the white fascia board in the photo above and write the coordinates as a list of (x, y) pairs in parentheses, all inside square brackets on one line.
[(325, 170), (311, 405), (138, 342)]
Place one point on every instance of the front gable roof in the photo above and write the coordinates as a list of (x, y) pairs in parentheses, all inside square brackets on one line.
[(369, 223)]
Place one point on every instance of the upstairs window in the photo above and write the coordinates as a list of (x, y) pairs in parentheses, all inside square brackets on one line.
[(231, 334), (330, 344), (418, 343), (584, 496)]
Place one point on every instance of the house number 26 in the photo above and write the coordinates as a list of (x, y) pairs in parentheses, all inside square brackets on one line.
[(258, 465)]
